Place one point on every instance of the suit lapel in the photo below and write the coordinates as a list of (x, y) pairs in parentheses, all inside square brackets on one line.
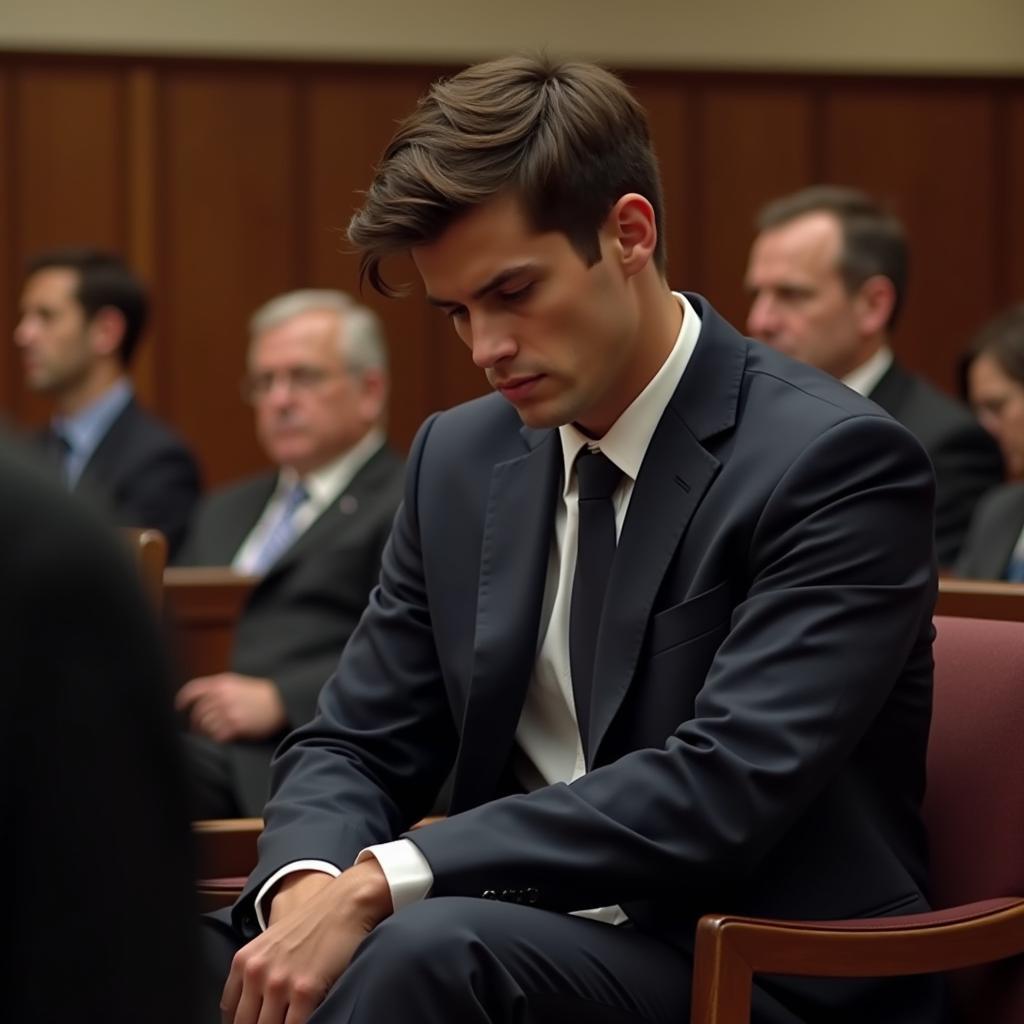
[(676, 473), (345, 507), (229, 532), (101, 473), (513, 567)]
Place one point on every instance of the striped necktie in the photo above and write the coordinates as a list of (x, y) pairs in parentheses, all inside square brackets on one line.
[(283, 533)]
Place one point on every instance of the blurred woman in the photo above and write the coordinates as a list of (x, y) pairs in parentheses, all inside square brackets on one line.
[(994, 547)]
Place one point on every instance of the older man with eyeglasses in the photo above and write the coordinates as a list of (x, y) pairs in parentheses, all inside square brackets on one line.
[(313, 531)]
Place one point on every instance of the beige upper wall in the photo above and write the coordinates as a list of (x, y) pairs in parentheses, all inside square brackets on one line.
[(944, 36)]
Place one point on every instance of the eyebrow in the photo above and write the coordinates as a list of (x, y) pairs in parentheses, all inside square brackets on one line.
[(502, 277)]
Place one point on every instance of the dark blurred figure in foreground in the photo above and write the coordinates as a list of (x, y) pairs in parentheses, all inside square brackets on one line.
[(82, 315), (994, 548), (95, 835), (827, 276)]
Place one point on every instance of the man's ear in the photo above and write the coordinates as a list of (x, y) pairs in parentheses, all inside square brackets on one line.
[(874, 304), (631, 223), (373, 393), (106, 331)]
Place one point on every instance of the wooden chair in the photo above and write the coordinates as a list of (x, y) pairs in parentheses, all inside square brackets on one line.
[(981, 599), (150, 549), (203, 608), (225, 854), (974, 811)]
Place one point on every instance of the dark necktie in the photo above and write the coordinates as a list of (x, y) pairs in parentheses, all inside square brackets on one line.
[(597, 477), (58, 451)]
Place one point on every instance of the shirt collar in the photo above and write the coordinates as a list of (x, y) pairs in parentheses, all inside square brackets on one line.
[(326, 483), (84, 429), (625, 443), (864, 379)]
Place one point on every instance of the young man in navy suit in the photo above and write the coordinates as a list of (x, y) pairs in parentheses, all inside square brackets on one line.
[(663, 601)]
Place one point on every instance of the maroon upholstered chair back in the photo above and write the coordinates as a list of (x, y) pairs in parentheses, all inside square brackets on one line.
[(974, 806)]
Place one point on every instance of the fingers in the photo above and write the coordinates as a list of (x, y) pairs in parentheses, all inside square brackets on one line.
[(256, 994), (192, 691)]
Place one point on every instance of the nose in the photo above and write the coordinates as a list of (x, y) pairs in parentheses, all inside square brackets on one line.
[(22, 332), (488, 340), (762, 320)]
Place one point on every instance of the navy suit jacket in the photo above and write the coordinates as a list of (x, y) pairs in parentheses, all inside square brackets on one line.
[(966, 459), (762, 693), (141, 474)]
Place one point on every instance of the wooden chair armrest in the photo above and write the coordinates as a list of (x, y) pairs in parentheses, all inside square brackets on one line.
[(730, 950), (226, 846), (226, 853)]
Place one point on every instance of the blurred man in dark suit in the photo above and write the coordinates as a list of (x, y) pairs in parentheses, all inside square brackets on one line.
[(82, 314), (313, 530), (91, 793), (826, 275)]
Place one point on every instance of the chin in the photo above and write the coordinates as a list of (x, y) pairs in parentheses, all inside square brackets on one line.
[(543, 419)]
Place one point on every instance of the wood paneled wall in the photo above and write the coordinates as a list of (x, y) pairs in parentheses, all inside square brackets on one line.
[(227, 182)]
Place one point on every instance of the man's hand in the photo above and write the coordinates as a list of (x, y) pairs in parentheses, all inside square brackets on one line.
[(284, 974), (229, 706)]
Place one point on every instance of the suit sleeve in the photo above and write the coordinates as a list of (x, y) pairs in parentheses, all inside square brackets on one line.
[(370, 764), (163, 494)]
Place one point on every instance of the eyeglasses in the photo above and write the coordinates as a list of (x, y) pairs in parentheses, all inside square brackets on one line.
[(300, 380)]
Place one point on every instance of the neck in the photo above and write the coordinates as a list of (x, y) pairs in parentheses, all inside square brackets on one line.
[(868, 350), (89, 389), (659, 317)]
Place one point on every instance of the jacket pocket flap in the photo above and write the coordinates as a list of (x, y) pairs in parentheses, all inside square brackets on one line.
[(691, 618)]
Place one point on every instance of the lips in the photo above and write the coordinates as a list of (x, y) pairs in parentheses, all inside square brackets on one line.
[(518, 388)]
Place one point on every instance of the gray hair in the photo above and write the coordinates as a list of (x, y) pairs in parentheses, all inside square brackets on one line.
[(360, 336)]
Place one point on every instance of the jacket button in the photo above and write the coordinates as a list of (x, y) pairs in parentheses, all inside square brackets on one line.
[(489, 894), (532, 895)]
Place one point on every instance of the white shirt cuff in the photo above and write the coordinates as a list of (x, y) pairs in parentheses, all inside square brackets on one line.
[(406, 869), (289, 869)]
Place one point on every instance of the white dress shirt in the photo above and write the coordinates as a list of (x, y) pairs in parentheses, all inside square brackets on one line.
[(549, 746), (323, 485), (864, 379)]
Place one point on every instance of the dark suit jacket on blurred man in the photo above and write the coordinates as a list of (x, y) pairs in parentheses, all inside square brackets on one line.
[(994, 535), (966, 461), (300, 614)]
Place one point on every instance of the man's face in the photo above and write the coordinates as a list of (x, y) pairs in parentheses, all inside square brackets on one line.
[(555, 337), (52, 333), (800, 304), (998, 402), (309, 408)]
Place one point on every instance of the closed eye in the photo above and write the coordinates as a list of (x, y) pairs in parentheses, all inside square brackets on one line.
[(518, 295)]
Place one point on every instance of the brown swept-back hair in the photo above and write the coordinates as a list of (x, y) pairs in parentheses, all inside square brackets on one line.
[(874, 242), (567, 138)]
